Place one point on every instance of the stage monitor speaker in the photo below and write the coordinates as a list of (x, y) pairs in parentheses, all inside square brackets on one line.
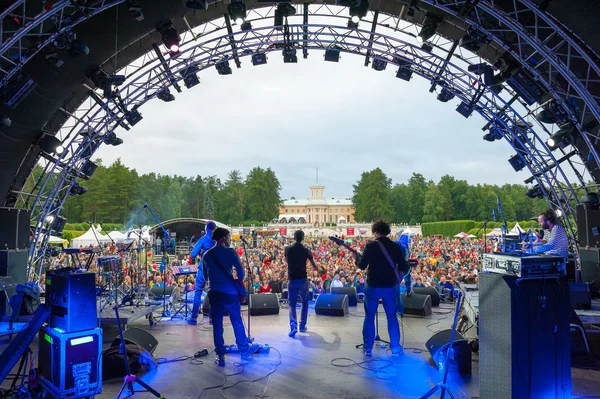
[(417, 304), (460, 356), (263, 304), (332, 305), (158, 292), (432, 292), (139, 337), (206, 307), (523, 334), (579, 294), (72, 297), (590, 268), (350, 291), (588, 226), (14, 228)]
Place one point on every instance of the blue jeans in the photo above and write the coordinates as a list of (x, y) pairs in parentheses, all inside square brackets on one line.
[(199, 287), (295, 288), (389, 296), (219, 301)]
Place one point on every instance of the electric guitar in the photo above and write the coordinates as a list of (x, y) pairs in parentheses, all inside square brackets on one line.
[(412, 262)]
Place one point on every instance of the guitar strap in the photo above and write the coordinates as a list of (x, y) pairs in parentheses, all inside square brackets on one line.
[(238, 287), (399, 275)]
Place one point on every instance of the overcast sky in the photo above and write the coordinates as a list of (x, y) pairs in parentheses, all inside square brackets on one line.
[(341, 117)]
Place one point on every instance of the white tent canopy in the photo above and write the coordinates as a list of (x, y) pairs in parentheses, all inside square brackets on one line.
[(462, 234), (117, 235), (56, 240), (88, 238), (515, 231)]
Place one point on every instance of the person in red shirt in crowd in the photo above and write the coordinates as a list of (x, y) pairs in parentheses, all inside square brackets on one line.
[(265, 287)]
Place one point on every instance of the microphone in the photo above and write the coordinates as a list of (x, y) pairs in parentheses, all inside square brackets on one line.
[(244, 240), (494, 214)]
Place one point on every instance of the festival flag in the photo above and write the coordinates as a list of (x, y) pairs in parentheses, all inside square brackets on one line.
[(350, 231)]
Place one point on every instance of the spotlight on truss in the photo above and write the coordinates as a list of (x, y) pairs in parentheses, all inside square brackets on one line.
[(429, 28), (133, 117), (552, 113), (493, 135), (379, 64), (223, 68), (282, 11), (169, 36), (165, 95), (359, 10), (237, 11), (289, 55), (404, 72), (535, 192), (77, 49), (246, 26), (470, 42), (135, 10), (517, 162), (352, 24), (332, 54), (106, 82), (561, 136), (445, 95), (50, 144), (76, 189), (190, 76), (5, 120), (465, 109), (112, 139), (197, 4), (259, 59)]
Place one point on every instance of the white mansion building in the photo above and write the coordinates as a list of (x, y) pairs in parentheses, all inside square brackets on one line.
[(317, 209)]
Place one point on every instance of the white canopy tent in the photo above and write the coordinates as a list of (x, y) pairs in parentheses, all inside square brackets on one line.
[(56, 240), (88, 238), (116, 235), (515, 231), (462, 234)]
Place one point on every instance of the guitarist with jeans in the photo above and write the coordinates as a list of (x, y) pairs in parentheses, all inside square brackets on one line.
[(225, 294), (386, 263)]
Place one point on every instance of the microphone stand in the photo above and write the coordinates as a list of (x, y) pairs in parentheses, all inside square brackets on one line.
[(249, 273), (484, 227)]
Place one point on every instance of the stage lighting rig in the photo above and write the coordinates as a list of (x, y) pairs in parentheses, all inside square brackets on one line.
[(5, 120), (405, 71), (50, 144), (429, 28), (223, 68), (283, 11), (473, 40), (68, 41), (104, 81), (560, 138), (379, 64), (289, 56), (190, 76), (352, 25), (166, 95), (359, 10), (197, 4), (552, 113), (76, 189), (332, 54), (535, 192), (237, 11), (170, 36), (112, 139), (493, 135), (133, 117), (445, 95), (135, 10), (246, 26)]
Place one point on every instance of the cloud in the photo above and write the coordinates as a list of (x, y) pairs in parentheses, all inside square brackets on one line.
[(342, 117)]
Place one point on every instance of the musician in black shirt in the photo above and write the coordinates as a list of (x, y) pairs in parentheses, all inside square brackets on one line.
[(382, 282), (296, 256)]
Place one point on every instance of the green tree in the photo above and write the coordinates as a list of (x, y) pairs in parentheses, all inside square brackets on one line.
[(417, 187), (262, 195), (399, 201), (372, 197), (208, 206), (433, 211)]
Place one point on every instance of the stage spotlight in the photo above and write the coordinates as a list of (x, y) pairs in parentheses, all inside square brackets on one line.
[(133, 117), (77, 49), (170, 36), (112, 139), (494, 134), (76, 189), (283, 10), (445, 95), (352, 25), (379, 64), (591, 199), (197, 4), (50, 219), (259, 59), (427, 47), (135, 10), (166, 95), (535, 192), (332, 54), (88, 169), (552, 113), (246, 26), (464, 109), (50, 144), (429, 28), (190, 77), (5, 121), (517, 162), (223, 68), (561, 135), (237, 11), (559, 213), (289, 56), (359, 10)]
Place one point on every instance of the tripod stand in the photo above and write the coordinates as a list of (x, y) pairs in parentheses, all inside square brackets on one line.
[(377, 337), (443, 386), (130, 379)]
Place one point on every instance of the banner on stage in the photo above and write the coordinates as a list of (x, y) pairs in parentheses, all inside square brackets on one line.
[(350, 231), (283, 231)]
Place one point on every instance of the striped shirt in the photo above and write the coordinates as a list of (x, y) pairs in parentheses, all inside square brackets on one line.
[(557, 244)]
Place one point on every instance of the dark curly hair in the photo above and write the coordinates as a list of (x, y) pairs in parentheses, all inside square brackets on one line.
[(381, 227), (549, 215)]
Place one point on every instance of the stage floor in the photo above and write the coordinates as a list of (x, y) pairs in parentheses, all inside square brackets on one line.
[(305, 367)]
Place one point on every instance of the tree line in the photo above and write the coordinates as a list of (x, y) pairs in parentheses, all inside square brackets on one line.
[(420, 200), (116, 194)]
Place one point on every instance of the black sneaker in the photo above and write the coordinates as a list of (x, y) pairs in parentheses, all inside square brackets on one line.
[(302, 329), (251, 350), (220, 360), (292, 333)]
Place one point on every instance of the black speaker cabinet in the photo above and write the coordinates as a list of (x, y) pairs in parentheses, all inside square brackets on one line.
[(579, 295), (73, 300), (588, 226), (589, 259), (524, 338), (350, 291), (332, 305), (417, 304), (432, 292), (14, 228), (70, 364), (263, 304), (139, 337), (13, 264), (459, 358)]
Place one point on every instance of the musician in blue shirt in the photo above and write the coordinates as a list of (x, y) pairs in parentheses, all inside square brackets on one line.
[(202, 245)]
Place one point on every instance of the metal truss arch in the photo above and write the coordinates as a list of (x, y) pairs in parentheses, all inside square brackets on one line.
[(145, 82)]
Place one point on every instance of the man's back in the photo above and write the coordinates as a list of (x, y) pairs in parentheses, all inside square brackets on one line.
[(296, 256), (380, 273), (228, 258)]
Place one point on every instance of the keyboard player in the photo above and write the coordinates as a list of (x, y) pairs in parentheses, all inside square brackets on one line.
[(556, 241)]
